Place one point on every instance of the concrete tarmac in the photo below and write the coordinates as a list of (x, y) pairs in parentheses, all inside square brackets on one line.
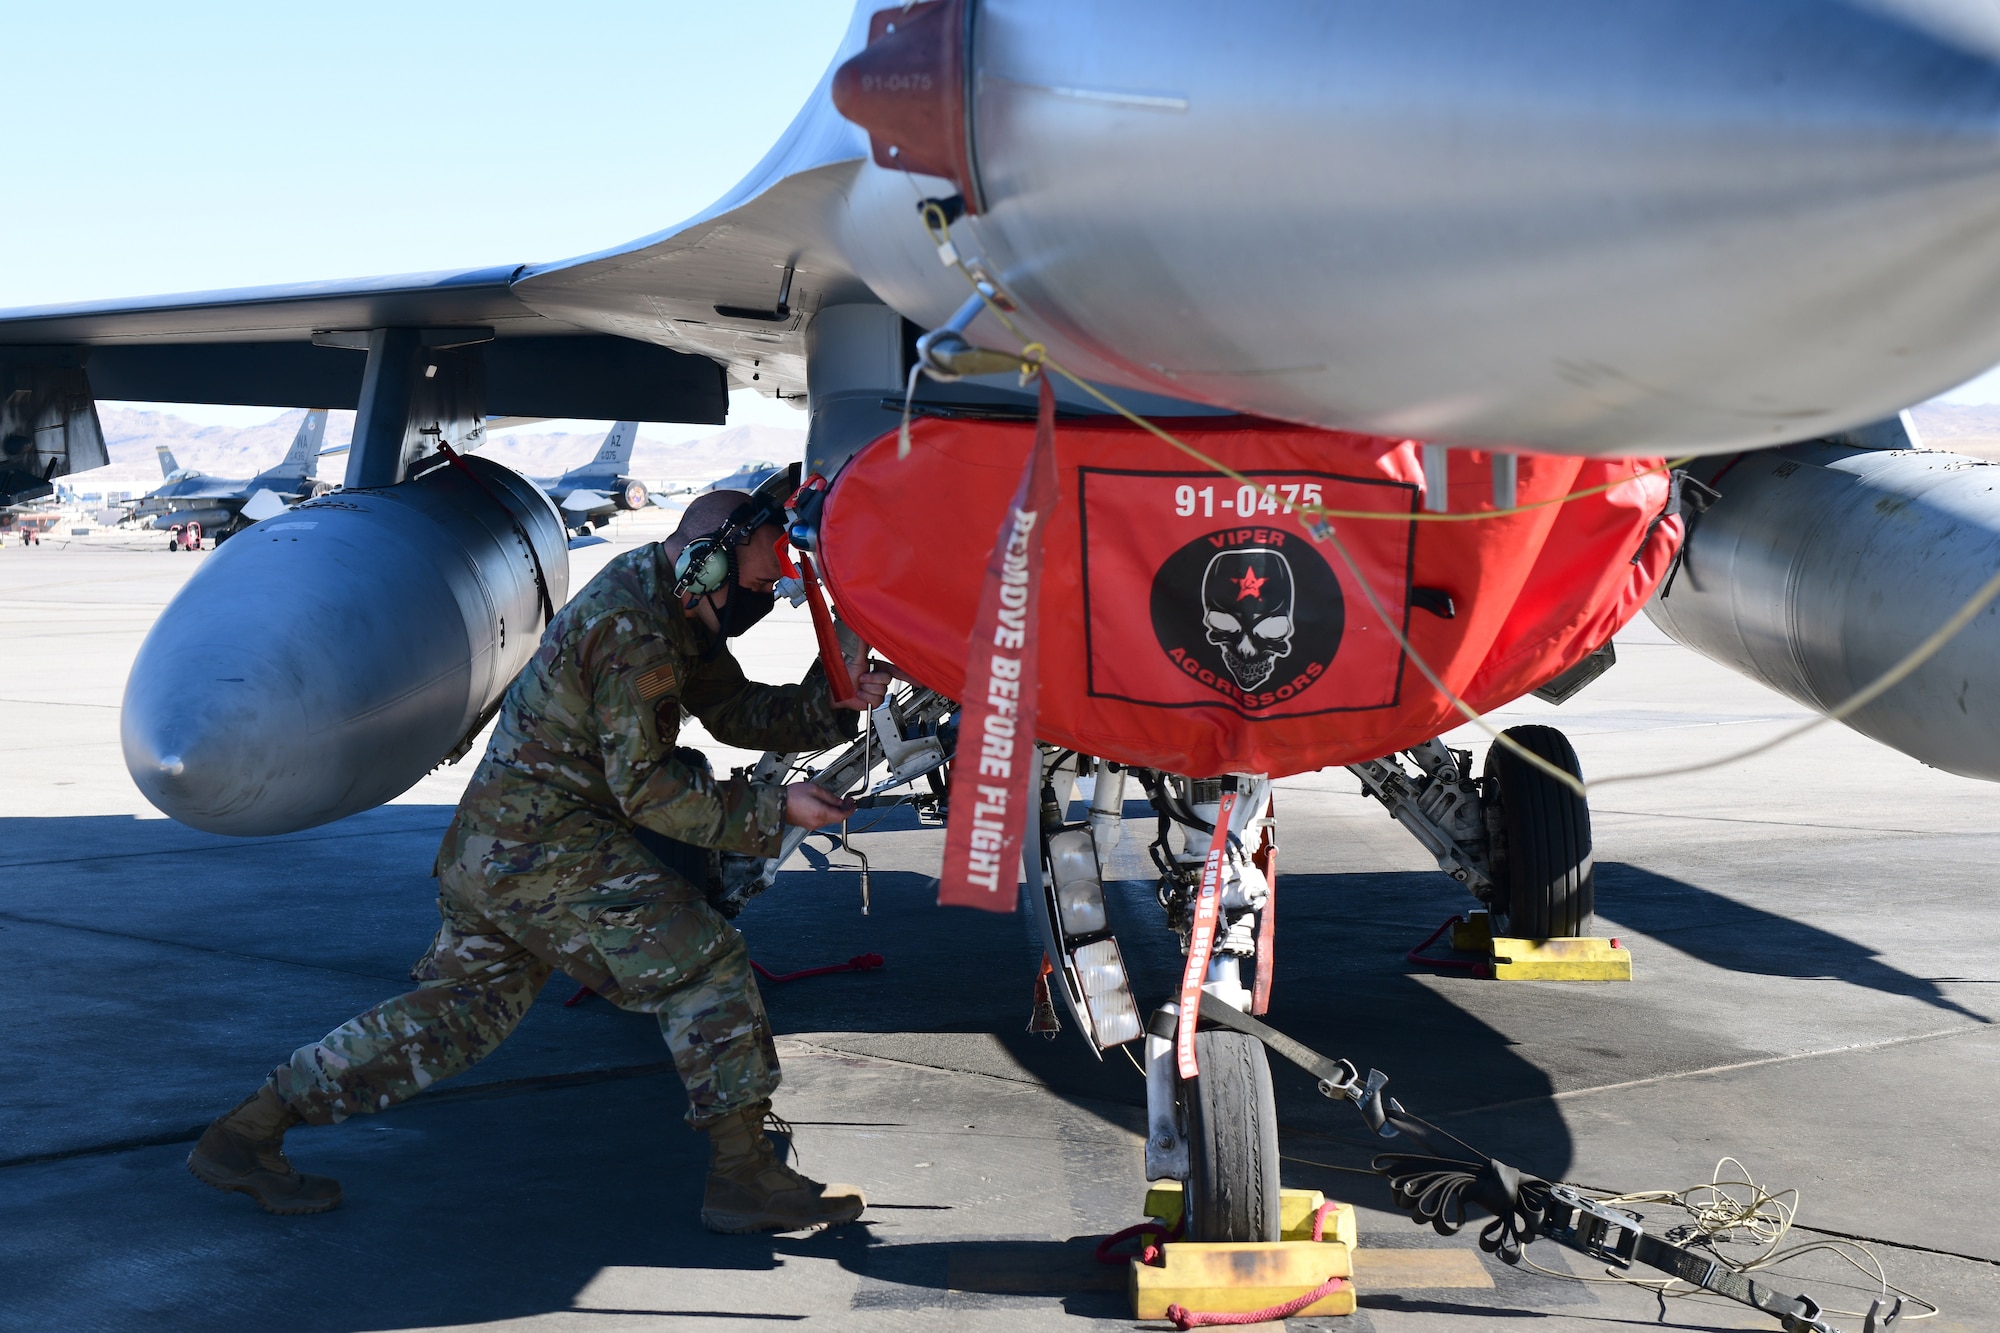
[(1815, 997)]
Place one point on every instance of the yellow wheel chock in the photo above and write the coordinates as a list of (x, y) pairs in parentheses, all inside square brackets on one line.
[(1579, 958)]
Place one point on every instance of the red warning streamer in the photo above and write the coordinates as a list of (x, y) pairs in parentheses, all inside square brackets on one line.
[(1201, 939), (991, 775), (839, 684)]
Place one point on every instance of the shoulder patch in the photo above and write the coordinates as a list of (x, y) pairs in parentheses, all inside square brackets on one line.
[(657, 682)]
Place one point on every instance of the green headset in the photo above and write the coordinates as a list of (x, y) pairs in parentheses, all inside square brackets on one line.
[(706, 564)]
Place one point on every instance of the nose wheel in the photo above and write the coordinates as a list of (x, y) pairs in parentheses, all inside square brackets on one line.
[(1232, 1135)]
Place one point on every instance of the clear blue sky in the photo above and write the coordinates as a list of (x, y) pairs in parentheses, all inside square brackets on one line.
[(162, 148)]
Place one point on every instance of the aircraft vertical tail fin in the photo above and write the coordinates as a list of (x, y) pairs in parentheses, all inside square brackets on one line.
[(616, 451), (302, 458), (167, 464)]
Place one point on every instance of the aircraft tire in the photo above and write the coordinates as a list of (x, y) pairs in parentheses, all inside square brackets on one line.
[(1232, 1129), (1546, 871)]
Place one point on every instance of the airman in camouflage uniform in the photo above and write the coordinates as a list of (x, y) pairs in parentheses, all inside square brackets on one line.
[(544, 866)]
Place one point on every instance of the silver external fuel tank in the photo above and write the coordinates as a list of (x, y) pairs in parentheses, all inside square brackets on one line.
[(1822, 565), (323, 660), (1654, 226)]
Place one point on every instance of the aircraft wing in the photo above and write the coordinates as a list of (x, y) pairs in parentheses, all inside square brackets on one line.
[(305, 344), (632, 332)]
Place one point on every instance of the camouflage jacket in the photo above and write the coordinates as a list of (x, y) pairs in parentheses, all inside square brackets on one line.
[(585, 741)]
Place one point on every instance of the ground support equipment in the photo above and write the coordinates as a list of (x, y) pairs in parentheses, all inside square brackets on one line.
[(1509, 958), (1272, 1278), (1298, 1211), (1445, 1178)]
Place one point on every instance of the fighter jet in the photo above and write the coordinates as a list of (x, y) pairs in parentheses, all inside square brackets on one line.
[(589, 495), (224, 506), (1662, 228), (746, 478), (1398, 248)]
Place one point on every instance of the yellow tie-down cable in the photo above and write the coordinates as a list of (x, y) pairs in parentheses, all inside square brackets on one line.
[(1317, 520)]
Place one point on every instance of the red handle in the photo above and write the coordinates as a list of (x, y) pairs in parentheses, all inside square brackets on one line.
[(839, 681)]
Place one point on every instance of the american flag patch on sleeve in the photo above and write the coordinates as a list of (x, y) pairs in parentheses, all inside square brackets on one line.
[(659, 681)]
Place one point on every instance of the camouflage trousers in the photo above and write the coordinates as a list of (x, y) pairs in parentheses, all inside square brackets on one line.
[(613, 918)]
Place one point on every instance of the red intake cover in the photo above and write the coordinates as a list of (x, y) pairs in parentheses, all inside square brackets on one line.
[(1180, 632)]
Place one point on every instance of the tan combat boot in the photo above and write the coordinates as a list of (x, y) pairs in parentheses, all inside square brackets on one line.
[(749, 1189), (244, 1151)]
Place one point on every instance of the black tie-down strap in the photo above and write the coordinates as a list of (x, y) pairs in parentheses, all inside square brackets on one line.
[(1438, 1188), (1603, 1232)]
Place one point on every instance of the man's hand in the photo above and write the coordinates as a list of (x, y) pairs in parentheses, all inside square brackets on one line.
[(872, 685), (809, 805)]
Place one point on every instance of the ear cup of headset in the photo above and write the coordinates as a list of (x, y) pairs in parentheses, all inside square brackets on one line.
[(702, 568)]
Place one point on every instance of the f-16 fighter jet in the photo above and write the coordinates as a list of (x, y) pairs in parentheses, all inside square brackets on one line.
[(1389, 267), (589, 495), (224, 506)]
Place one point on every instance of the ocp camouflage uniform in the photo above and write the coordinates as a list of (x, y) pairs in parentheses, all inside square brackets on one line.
[(541, 867)]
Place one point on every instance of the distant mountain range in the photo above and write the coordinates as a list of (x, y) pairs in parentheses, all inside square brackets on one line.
[(133, 437), (1960, 428)]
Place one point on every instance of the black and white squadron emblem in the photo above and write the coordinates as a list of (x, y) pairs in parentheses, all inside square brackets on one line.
[(1246, 599), (1254, 614)]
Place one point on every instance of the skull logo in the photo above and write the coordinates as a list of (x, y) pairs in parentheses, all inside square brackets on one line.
[(1246, 598)]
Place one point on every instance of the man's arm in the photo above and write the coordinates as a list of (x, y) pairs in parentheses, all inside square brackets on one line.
[(751, 716), (635, 698)]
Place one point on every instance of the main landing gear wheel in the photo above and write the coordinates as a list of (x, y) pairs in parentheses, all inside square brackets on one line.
[(1542, 844), (1232, 1131)]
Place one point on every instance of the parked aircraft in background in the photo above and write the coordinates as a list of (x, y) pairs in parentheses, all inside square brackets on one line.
[(746, 478), (224, 506), (589, 495)]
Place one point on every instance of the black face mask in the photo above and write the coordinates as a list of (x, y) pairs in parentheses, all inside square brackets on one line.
[(745, 607)]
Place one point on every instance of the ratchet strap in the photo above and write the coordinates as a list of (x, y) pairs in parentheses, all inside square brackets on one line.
[(1436, 1187)]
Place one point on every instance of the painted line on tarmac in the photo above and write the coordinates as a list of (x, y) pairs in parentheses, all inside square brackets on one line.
[(1571, 1093), (1026, 1080), (470, 1092), (20, 920), (1794, 823), (287, 841)]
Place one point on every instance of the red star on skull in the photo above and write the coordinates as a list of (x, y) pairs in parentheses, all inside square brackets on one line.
[(1250, 585)]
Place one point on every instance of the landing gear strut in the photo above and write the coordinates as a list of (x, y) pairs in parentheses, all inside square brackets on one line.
[(1218, 1131)]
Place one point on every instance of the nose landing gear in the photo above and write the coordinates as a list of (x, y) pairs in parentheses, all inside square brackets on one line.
[(1232, 1135)]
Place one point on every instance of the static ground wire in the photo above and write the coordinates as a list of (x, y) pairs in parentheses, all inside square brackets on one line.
[(938, 226), (1764, 1217)]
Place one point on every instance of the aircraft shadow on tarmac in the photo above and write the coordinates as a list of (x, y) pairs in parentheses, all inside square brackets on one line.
[(125, 938), (567, 1161), (1739, 937)]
